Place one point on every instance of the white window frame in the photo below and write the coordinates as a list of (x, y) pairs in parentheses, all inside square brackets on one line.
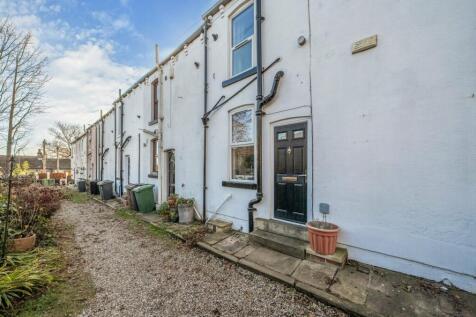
[(232, 145), (250, 38)]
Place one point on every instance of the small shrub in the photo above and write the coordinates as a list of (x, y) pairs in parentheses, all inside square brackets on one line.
[(42, 175), (44, 200), (24, 274), (185, 202)]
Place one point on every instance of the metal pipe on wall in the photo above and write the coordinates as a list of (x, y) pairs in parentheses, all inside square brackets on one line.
[(205, 119), (102, 147), (115, 149), (259, 117), (121, 152), (138, 160)]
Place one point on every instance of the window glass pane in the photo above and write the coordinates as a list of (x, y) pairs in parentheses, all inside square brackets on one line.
[(242, 127), (282, 136), (298, 134), (243, 163), (243, 25), (242, 58)]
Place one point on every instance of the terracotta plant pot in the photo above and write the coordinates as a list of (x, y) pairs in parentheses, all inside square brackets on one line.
[(322, 237), (22, 244)]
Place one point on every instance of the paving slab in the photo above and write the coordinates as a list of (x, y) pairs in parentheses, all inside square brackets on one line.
[(338, 258), (152, 218), (351, 284), (213, 238), (318, 275), (273, 260), (233, 243), (245, 251)]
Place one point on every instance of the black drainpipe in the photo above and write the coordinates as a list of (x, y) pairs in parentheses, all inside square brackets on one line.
[(260, 103), (259, 114), (115, 148), (121, 152), (102, 147), (138, 161), (205, 118)]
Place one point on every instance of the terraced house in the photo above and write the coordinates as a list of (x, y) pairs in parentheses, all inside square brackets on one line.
[(275, 110)]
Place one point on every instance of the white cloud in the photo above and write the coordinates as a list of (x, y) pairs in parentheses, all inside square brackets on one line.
[(84, 76), (83, 82)]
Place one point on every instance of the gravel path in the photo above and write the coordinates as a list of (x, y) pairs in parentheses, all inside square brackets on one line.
[(137, 274)]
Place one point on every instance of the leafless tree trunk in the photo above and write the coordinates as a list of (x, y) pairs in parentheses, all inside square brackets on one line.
[(64, 134), (23, 78)]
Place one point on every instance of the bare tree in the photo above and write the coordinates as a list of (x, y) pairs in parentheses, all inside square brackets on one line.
[(8, 45), (24, 79), (63, 136)]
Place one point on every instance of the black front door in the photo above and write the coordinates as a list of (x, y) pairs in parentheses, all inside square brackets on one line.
[(290, 189), (171, 172)]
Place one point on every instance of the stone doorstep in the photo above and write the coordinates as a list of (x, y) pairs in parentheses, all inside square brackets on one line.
[(290, 246), (219, 225), (282, 228), (339, 258)]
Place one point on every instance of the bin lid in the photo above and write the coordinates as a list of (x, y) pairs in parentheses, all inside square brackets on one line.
[(143, 187), (132, 186), (105, 182)]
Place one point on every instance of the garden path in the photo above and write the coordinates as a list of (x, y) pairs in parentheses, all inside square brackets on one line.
[(137, 273)]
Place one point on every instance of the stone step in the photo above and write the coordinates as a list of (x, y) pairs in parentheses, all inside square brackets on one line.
[(287, 245), (339, 258), (282, 228), (219, 225)]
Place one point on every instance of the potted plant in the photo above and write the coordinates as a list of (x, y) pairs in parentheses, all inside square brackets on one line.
[(21, 230), (185, 210), (164, 211), (322, 234), (172, 200)]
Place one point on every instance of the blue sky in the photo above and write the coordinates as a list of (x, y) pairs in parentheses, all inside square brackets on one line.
[(95, 47)]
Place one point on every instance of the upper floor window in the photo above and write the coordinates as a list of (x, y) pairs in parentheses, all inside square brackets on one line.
[(242, 145), (242, 31), (155, 100)]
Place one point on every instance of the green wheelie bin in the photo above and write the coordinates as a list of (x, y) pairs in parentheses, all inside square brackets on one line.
[(145, 198)]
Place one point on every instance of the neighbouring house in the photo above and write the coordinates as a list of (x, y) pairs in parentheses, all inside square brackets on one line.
[(36, 164), (374, 117)]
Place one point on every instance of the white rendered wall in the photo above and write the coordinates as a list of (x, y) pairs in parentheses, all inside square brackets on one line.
[(394, 131), (108, 169), (137, 116), (285, 22), (182, 98)]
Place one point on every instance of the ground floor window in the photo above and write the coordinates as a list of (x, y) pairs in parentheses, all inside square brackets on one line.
[(155, 156), (242, 144)]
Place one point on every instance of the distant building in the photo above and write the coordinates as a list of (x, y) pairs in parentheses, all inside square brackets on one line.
[(36, 165)]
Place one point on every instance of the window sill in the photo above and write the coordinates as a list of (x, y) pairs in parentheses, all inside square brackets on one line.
[(153, 175), (239, 77), (153, 122), (236, 184)]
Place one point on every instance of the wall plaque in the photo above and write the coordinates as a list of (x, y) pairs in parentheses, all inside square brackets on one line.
[(364, 44)]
